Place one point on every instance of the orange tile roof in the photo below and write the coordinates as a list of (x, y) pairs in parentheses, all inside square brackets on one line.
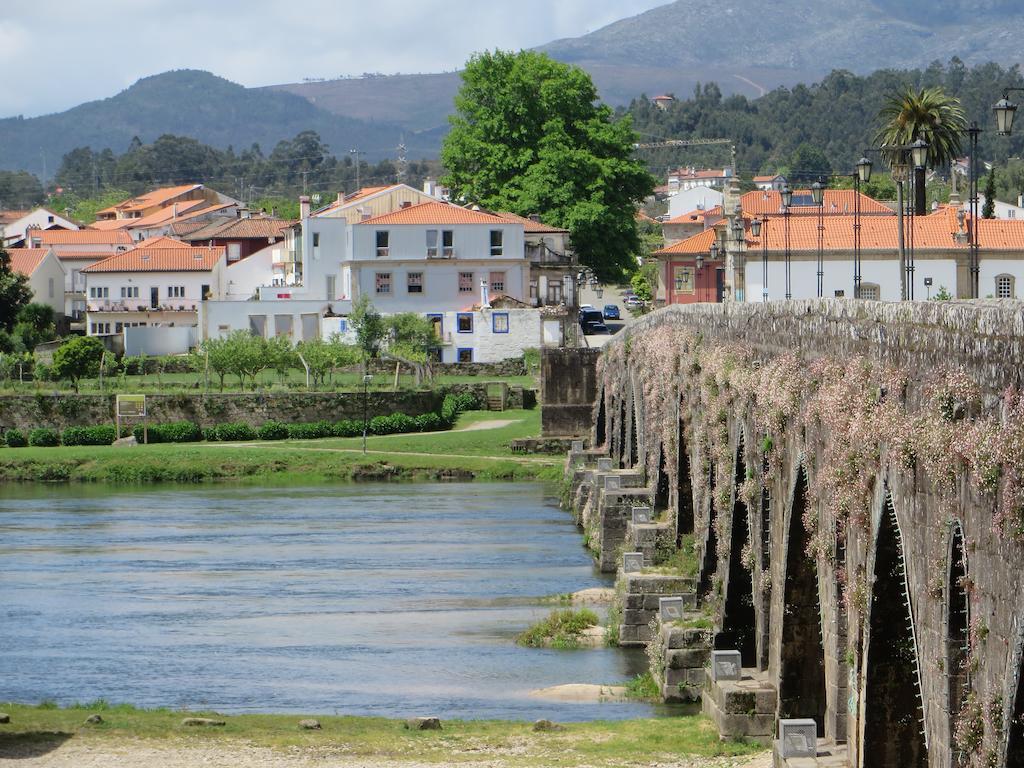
[(769, 177), (80, 237), (529, 225), (835, 201), (696, 216), (435, 213), (878, 233), (81, 255), (239, 229), (355, 196), (160, 259), (106, 225), (149, 199), (170, 213), (162, 242), (25, 261), (6, 217)]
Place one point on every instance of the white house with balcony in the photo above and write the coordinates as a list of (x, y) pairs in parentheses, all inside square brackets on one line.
[(160, 284)]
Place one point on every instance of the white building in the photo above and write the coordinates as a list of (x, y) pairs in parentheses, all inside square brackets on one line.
[(159, 283), (701, 197), (45, 275), (1004, 210), (15, 225)]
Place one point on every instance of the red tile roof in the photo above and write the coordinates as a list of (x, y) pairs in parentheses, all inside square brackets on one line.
[(149, 199), (435, 213), (104, 225), (529, 225), (225, 228), (699, 243), (160, 259), (835, 201), (6, 217), (697, 216), (25, 261), (80, 237), (170, 213), (64, 255)]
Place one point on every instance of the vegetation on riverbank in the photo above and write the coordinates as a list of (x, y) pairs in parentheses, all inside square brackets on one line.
[(465, 453), (502, 743), (561, 629)]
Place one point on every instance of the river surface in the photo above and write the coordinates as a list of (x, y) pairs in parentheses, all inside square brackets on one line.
[(391, 599)]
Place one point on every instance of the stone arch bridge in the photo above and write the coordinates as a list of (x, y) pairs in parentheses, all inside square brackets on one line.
[(831, 495)]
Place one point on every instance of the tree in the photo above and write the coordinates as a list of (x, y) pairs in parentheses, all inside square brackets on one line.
[(214, 355), (808, 164), (78, 358), (411, 337), (528, 136), (988, 210), (14, 293), (927, 114), (34, 325), (321, 357), (369, 327)]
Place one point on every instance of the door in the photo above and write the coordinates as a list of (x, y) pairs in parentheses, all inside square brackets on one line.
[(204, 294), (719, 285), (154, 298)]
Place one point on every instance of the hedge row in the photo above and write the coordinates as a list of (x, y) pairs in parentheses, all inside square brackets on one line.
[(187, 432)]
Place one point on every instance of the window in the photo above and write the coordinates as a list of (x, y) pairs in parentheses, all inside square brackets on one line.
[(497, 282), (447, 243), (414, 282), (316, 239), (49, 219), (383, 237), (438, 322), (331, 285), (464, 322), (118, 327), (51, 287), (533, 289), (234, 252), (869, 291), (465, 282), (383, 282), (100, 328), (129, 291), (499, 322), (431, 243), (464, 355), (99, 292), (555, 292), (1004, 287), (496, 242), (176, 292)]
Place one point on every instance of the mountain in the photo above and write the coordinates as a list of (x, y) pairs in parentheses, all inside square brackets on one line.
[(201, 105)]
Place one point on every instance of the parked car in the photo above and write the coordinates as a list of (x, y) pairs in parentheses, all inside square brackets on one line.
[(633, 302), (592, 321), (611, 312)]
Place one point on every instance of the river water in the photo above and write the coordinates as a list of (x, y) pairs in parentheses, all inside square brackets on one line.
[(390, 599)]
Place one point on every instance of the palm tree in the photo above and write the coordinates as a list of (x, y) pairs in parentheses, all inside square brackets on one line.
[(929, 115)]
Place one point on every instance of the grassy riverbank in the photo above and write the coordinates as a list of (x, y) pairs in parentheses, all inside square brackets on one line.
[(468, 451), (35, 731)]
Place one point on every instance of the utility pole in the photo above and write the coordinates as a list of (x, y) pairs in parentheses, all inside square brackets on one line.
[(305, 174), (356, 153), (400, 176)]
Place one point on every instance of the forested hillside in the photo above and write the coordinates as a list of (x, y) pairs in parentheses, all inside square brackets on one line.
[(822, 126)]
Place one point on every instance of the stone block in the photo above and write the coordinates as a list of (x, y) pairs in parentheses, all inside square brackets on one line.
[(636, 617), (680, 637), (798, 738), (604, 465), (687, 658), (632, 562), (726, 665), (670, 608), (628, 633), (644, 633), (675, 677), (577, 446), (729, 725), (612, 482), (641, 515), (696, 676), (635, 602)]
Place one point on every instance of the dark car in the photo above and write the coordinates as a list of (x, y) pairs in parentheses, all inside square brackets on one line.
[(592, 321), (611, 312)]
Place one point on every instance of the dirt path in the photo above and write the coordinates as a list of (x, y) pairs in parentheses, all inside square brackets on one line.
[(105, 753)]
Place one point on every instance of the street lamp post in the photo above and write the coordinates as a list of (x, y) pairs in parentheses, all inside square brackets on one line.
[(787, 200), (757, 226), (862, 175), (818, 195), (366, 384), (713, 252)]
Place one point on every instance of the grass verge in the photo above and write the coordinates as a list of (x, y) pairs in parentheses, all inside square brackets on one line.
[(620, 743), (561, 629), (481, 454)]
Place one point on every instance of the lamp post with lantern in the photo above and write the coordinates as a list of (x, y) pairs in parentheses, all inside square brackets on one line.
[(1005, 111), (757, 226), (787, 200)]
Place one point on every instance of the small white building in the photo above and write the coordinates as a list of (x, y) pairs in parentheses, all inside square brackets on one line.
[(702, 198), (15, 226), (45, 275), (1004, 210), (159, 283)]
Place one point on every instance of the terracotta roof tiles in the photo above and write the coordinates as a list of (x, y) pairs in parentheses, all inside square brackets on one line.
[(25, 261), (529, 225), (160, 259), (80, 237), (836, 201), (434, 213)]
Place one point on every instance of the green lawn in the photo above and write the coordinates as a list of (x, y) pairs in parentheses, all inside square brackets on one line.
[(606, 743), (485, 454)]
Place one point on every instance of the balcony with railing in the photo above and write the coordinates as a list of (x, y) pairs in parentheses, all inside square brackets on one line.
[(172, 305), (541, 255)]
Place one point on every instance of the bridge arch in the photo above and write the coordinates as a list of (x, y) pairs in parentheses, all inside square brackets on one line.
[(739, 621), (684, 484), (893, 708), (1015, 728), (957, 623)]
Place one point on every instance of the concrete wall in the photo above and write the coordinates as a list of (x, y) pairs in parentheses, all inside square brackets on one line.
[(159, 341)]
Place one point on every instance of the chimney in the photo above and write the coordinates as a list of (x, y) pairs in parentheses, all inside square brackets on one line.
[(430, 187), (304, 207), (485, 299), (535, 218)]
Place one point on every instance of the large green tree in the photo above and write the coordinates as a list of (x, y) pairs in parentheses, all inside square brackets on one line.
[(14, 293), (529, 136), (78, 358)]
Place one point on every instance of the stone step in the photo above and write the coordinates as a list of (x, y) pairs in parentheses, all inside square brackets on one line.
[(744, 707), (829, 756), (659, 584)]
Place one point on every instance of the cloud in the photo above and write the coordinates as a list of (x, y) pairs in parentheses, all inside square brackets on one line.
[(85, 51)]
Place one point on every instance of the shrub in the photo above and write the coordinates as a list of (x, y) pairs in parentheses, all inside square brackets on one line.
[(394, 424), (210, 434), (172, 432), (453, 405), (315, 430), (348, 428), (43, 437), (273, 430), (561, 629), (235, 432), (101, 434), (15, 438), (430, 422)]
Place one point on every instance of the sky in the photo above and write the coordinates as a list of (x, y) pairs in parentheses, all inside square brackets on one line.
[(55, 54)]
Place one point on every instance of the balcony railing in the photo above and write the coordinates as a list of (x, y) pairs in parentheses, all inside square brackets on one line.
[(132, 306)]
